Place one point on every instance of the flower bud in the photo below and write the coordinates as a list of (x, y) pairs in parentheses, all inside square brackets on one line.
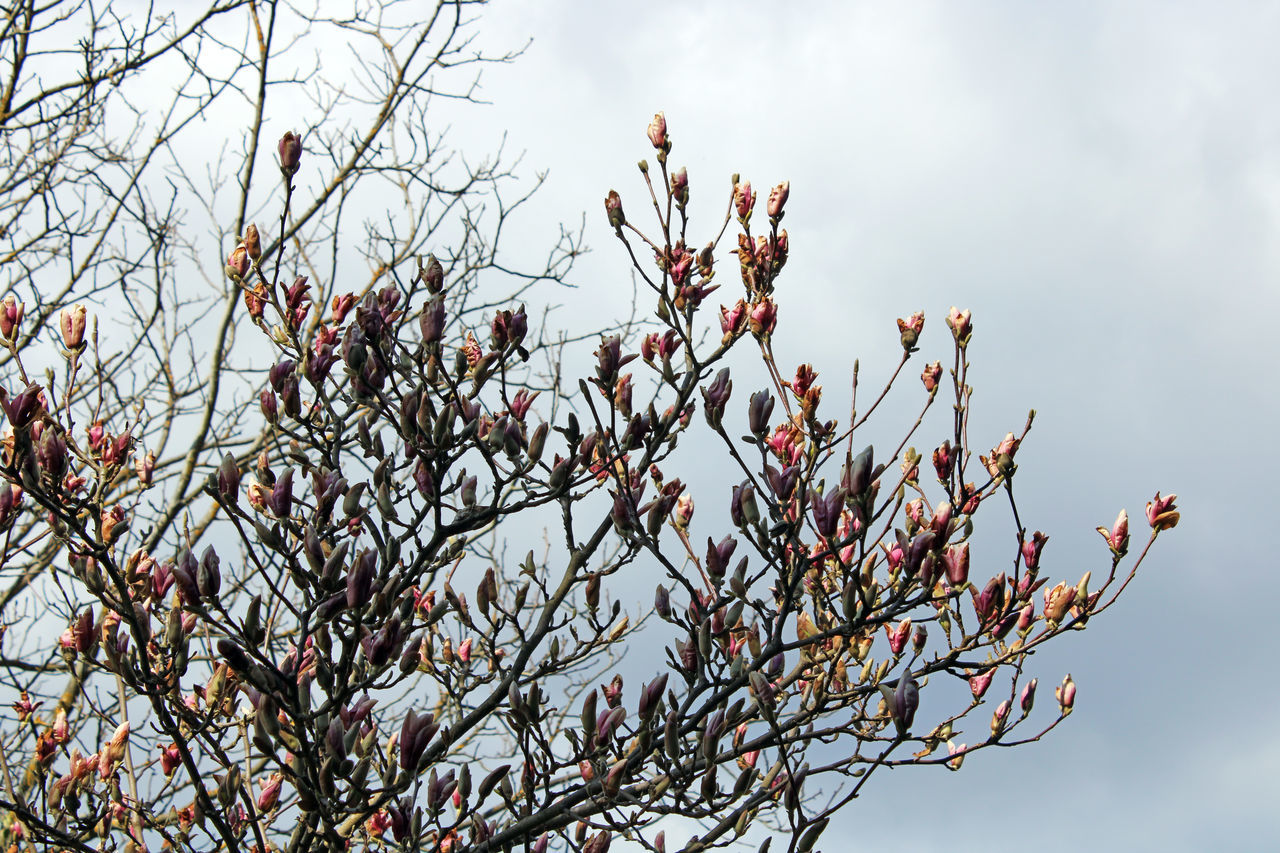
[(744, 199), (909, 331), (72, 322), (1029, 695), (680, 186), (957, 562), (270, 406), (999, 718), (961, 325), (229, 478), (10, 316), (763, 318), (716, 395), (979, 683), (252, 242), (759, 412), (1117, 537), (238, 262), (931, 376), (1162, 513), (613, 207), (658, 132), (778, 198), (1066, 694), (290, 150)]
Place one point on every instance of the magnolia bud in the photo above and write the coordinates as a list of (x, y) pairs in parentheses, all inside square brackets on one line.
[(72, 323), (10, 316), (613, 207), (252, 243), (778, 198), (290, 150)]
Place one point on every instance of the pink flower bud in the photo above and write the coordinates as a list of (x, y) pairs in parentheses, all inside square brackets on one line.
[(72, 322), (1057, 601), (613, 207), (744, 199), (170, 759), (1117, 537), (898, 636), (658, 132), (433, 275), (961, 325), (956, 560), (909, 330), (10, 316), (763, 318), (931, 376), (778, 198), (683, 512), (1029, 696), (290, 150), (978, 684), (252, 243), (999, 718), (1162, 513), (680, 186), (1031, 549), (270, 792), (733, 321), (1066, 694), (238, 262)]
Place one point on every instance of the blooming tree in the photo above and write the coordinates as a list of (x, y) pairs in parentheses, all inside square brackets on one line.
[(333, 640)]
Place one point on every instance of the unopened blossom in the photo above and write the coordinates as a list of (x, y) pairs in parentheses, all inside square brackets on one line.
[(290, 151), (10, 316), (1162, 513), (1057, 601), (658, 132), (252, 242), (961, 324), (613, 207), (1066, 694), (778, 198), (72, 322), (1117, 537), (238, 262), (744, 198), (909, 330), (931, 376)]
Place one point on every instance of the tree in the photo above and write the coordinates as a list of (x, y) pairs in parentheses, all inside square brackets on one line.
[(285, 607)]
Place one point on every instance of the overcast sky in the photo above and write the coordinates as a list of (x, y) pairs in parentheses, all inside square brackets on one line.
[(1100, 184)]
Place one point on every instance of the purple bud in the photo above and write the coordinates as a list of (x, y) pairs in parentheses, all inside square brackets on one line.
[(759, 412), (662, 602), (1029, 696), (716, 396), (270, 406), (281, 500), (290, 150), (229, 478), (208, 575), (433, 275)]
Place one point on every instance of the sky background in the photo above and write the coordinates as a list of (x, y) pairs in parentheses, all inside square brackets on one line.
[(1100, 184)]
